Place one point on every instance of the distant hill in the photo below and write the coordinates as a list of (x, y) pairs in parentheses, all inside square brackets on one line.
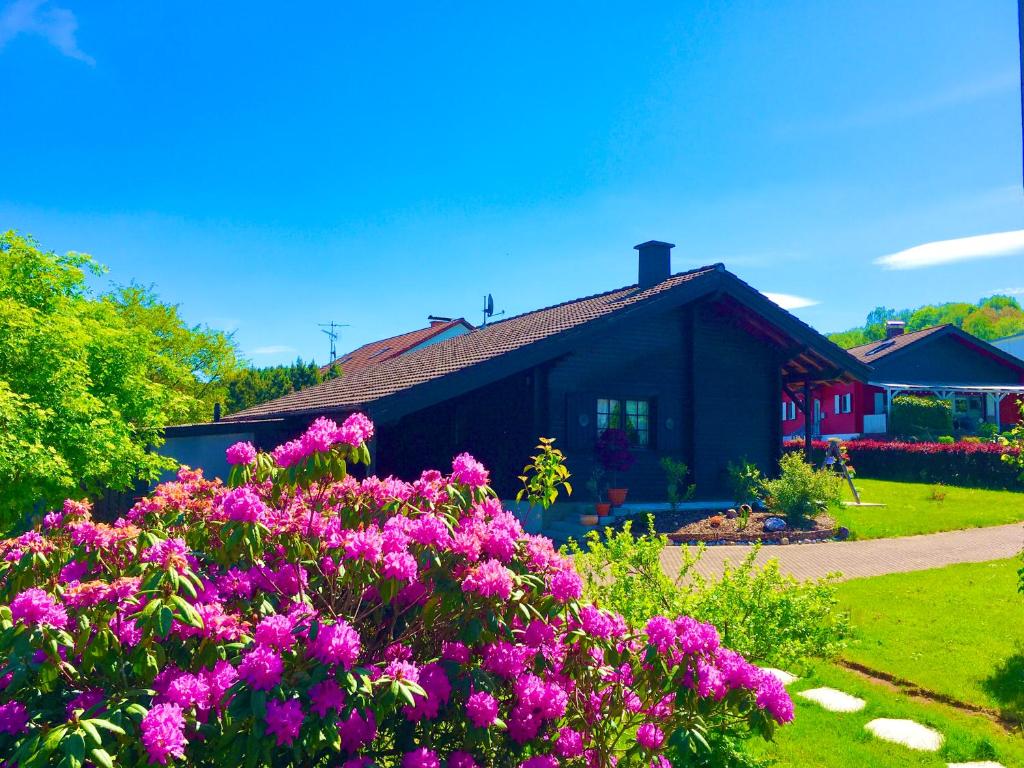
[(991, 318)]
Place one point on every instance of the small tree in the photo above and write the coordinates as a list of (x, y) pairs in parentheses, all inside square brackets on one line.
[(676, 473), (745, 480)]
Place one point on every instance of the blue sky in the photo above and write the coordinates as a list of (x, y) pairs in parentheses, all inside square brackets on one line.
[(274, 166)]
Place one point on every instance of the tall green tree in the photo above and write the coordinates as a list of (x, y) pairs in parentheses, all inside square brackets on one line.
[(88, 381), (992, 318), (247, 387)]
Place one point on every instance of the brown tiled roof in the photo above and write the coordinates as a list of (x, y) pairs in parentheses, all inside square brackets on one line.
[(876, 350), (379, 351), (373, 382)]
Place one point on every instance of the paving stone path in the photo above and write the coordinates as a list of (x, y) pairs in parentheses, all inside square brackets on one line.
[(905, 732), (866, 558)]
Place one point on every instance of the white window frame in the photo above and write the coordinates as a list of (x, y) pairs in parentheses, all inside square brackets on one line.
[(847, 402), (838, 401)]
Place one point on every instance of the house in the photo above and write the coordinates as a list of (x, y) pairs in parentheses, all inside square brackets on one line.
[(982, 380), (690, 364), (1012, 344)]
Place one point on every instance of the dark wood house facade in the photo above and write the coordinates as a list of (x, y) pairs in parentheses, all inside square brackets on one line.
[(693, 363)]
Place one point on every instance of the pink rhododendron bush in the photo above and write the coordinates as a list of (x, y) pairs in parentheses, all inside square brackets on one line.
[(298, 616)]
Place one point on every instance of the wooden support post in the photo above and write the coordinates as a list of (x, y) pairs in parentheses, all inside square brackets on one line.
[(807, 421)]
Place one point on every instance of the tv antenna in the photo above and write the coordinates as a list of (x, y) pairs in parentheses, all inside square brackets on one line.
[(332, 333), (489, 309)]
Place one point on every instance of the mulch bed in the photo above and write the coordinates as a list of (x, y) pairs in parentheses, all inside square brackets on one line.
[(701, 530)]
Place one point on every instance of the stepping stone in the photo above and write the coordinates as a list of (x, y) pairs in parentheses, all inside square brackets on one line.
[(906, 732), (783, 677), (833, 700), (985, 764)]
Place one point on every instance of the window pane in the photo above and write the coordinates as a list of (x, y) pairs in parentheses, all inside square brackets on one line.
[(602, 406), (642, 407), (602, 422)]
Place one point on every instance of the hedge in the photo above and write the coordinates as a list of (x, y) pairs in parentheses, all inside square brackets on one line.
[(977, 465), (924, 417)]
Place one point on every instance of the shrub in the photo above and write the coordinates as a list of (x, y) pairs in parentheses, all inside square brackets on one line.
[(745, 481), (771, 618), (676, 472), (301, 617), (988, 432), (801, 492), (946, 440), (921, 417)]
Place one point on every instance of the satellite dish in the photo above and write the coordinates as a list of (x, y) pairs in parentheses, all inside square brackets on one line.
[(490, 305)]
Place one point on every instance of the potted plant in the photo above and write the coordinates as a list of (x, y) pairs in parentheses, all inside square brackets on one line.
[(616, 455), (596, 487)]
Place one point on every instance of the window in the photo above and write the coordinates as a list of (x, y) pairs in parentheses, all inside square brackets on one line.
[(792, 410), (633, 416), (837, 408), (785, 411), (847, 402)]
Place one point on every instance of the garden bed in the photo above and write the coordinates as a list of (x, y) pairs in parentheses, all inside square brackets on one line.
[(697, 530)]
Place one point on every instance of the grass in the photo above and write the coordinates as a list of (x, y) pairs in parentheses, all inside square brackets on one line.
[(911, 510), (957, 631), (821, 738)]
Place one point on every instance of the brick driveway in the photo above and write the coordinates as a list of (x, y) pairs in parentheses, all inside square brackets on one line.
[(867, 558)]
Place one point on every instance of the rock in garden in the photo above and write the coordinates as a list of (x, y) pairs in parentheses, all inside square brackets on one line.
[(732, 514), (906, 732), (781, 675), (774, 524), (833, 700), (843, 533)]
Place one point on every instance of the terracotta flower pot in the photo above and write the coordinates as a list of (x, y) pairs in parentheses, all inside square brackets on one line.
[(617, 496), (602, 508), (588, 519)]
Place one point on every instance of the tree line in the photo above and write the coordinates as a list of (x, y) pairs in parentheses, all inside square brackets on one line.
[(995, 317)]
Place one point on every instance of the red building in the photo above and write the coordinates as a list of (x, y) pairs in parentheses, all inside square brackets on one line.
[(984, 384)]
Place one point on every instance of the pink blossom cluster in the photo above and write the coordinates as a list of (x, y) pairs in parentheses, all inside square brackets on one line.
[(335, 618)]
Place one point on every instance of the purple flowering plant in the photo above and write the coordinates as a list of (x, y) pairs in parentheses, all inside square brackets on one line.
[(299, 616)]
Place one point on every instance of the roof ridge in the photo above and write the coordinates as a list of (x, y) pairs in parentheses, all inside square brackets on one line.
[(706, 268), (929, 329)]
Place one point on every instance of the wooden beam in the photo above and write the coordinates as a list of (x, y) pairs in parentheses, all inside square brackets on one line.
[(807, 421)]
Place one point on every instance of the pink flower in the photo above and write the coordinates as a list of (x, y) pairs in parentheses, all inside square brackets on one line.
[(325, 696), (356, 430), (13, 717), (284, 720), (241, 453), (364, 545), (244, 505), (434, 683), (336, 644), (421, 758), (490, 579), (455, 651), (400, 565), (661, 633), (469, 471), (539, 761), (459, 759), (261, 668), (565, 585), (276, 632), (482, 709), (187, 690), (85, 701), (569, 744), (358, 730), (163, 733), (321, 435), (650, 736), (170, 554), (36, 607), (772, 696), (218, 680)]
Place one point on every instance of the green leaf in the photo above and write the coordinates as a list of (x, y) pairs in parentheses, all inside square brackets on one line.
[(102, 758), (164, 622)]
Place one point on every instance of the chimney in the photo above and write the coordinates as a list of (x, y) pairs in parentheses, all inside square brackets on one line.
[(655, 262), (894, 328)]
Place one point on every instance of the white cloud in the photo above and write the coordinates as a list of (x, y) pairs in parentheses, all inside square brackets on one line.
[(273, 349), (1007, 292), (38, 17), (961, 249), (789, 301)]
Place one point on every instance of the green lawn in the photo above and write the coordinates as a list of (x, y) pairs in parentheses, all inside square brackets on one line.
[(957, 630), (830, 740), (910, 509)]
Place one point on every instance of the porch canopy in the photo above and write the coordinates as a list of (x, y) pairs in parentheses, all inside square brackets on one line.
[(994, 393)]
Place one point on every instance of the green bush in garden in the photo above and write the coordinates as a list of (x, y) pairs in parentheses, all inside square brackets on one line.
[(801, 492), (770, 618), (921, 417)]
